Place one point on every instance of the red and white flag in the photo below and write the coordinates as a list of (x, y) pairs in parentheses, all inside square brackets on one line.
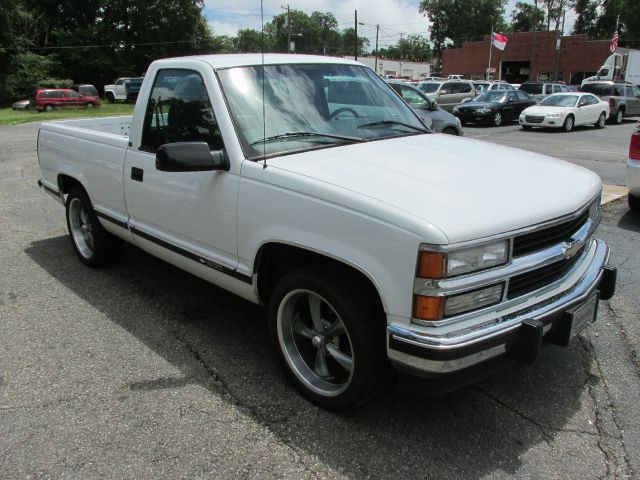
[(499, 41), (614, 42)]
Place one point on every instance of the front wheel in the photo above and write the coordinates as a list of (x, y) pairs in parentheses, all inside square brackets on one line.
[(601, 120), (497, 119), (330, 337), (634, 203), (89, 105), (93, 244), (568, 124), (450, 131), (526, 127)]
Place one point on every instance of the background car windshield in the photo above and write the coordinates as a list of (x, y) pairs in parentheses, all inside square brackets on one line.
[(599, 89), (560, 101), (428, 87), (492, 97), (323, 98), (531, 88)]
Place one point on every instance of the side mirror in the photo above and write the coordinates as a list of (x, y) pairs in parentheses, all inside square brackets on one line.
[(190, 157)]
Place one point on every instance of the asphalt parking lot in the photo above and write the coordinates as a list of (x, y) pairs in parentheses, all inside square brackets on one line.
[(143, 371)]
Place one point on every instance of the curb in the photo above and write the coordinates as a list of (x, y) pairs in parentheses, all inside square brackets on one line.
[(612, 192)]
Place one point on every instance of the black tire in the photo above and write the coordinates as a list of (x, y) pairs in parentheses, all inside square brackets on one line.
[(568, 124), (339, 301), (89, 105), (602, 119), (94, 246), (526, 127), (49, 108), (496, 120), (110, 97), (463, 123), (634, 203), (618, 117), (450, 131)]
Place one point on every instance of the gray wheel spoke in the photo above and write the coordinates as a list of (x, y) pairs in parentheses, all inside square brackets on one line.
[(301, 329), (314, 310), (344, 360), (321, 363), (336, 329), (83, 215)]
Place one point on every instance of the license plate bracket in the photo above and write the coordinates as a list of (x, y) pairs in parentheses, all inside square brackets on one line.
[(574, 321)]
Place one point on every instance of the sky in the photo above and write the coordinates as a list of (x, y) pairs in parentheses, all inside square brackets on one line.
[(395, 17)]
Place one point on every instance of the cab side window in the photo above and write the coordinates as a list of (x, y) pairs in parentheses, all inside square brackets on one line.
[(179, 110)]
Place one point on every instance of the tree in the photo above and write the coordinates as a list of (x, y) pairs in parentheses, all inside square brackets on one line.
[(458, 21), (349, 42), (525, 17), (414, 48), (249, 40), (555, 12), (587, 14), (629, 13)]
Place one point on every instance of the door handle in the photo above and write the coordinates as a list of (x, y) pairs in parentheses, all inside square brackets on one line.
[(137, 174)]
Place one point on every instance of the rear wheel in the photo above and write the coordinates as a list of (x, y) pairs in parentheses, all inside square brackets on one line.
[(110, 97), (450, 131), (93, 244), (330, 337), (49, 108), (568, 124), (634, 203), (619, 116), (601, 120)]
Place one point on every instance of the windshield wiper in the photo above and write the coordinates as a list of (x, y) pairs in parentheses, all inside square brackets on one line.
[(384, 123), (281, 136)]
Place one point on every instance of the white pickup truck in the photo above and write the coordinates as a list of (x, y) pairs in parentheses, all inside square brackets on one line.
[(306, 184)]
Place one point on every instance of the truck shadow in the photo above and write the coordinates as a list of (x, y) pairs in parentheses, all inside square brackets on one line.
[(220, 341)]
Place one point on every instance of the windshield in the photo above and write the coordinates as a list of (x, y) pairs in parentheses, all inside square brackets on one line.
[(491, 97), (531, 88), (428, 87), (599, 89), (481, 86), (310, 106), (559, 101)]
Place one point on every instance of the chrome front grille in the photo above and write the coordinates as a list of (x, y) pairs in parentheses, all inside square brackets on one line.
[(545, 237)]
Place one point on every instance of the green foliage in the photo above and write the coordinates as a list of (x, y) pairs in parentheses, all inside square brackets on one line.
[(31, 71), (10, 117), (629, 12), (587, 14), (525, 17), (457, 21), (414, 48)]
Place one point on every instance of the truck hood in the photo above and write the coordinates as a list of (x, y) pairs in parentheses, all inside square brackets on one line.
[(466, 188)]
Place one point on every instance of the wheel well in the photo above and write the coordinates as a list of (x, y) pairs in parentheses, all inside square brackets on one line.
[(275, 260), (67, 183)]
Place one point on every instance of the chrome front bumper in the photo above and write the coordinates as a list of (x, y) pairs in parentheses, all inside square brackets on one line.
[(429, 354)]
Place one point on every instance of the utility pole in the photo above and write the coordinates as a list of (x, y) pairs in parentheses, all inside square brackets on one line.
[(288, 25), (356, 24), (377, 30), (533, 41)]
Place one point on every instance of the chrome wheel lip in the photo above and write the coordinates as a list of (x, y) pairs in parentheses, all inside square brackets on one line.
[(290, 347), (80, 228)]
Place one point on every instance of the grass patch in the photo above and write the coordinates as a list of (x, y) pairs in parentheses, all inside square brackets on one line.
[(14, 117)]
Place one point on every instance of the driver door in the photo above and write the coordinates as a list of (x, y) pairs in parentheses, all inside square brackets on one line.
[(189, 213)]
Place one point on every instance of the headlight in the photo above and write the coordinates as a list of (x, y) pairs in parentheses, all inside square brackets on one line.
[(553, 115), (482, 110), (437, 308), (439, 265)]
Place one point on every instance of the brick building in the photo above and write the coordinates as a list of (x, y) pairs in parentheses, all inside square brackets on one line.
[(576, 58)]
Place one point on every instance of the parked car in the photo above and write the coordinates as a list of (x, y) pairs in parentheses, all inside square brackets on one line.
[(623, 98), (455, 77), (21, 105), (484, 86), (51, 98), (267, 175), (442, 121), (86, 90), (633, 170), (540, 90), (119, 90), (566, 110), (493, 107), (449, 93)]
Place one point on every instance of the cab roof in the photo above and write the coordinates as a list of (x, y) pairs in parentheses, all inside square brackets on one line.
[(252, 59)]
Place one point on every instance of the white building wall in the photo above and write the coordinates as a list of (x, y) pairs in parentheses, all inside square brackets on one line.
[(398, 68)]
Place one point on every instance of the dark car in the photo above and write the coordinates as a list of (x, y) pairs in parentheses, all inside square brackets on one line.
[(86, 90), (494, 107), (623, 98), (51, 98), (132, 87)]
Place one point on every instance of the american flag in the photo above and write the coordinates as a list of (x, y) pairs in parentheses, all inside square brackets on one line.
[(614, 42)]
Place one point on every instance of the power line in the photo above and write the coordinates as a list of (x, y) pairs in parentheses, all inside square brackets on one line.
[(119, 45)]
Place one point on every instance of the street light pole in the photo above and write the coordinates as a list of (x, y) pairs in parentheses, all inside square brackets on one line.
[(377, 30), (288, 24), (356, 24)]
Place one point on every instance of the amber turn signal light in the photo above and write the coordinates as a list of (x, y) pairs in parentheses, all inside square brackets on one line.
[(432, 265), (428, 308)]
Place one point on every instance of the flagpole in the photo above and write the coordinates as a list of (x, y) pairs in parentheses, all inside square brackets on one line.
[(490, 45)]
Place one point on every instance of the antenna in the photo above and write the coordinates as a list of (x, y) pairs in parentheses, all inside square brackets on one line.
[(264, 116)]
